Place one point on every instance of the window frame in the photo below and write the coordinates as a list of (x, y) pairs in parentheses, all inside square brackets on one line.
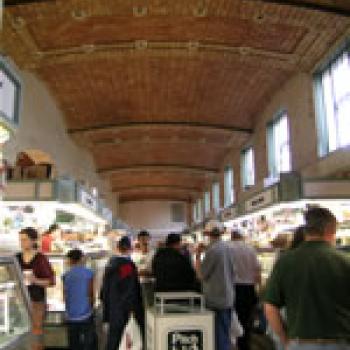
[(215, 190), (323, 135), (244, 173), (13, 76), (206, 202), (229, 198), (271, 151)]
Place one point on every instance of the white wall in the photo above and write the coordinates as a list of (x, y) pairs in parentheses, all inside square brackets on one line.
[(42, 127), (154, 216)]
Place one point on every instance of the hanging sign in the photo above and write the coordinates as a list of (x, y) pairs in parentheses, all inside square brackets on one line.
[(87, 200), (262, 200)]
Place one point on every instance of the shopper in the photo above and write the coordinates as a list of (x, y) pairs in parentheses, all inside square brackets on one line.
[(78, 287), (248, 277), (217, 274), (312, 283), (143, 261), (173, 270), (37, 275), (121, 294)]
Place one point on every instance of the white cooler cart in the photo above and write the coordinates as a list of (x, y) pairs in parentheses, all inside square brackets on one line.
[(179, 321)]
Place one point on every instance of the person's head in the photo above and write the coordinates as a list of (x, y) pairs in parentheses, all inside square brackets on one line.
[(75, 256), (173, 240), (298, 237), (28, 238), (320, 223), (236, 235), (53, 228), (143, 238), (124, 245), (55, 231), (213, 229)]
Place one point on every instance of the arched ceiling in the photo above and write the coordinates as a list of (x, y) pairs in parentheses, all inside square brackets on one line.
[(160, 91)]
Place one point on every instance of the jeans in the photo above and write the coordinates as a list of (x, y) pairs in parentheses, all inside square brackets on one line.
[(82, 335), (222, 329), (294, 345), (246, 301)]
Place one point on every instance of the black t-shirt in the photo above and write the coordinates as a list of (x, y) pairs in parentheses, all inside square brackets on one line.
[(173, 271)]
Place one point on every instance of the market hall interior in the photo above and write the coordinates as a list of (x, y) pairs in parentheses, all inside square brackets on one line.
[(122, 115)]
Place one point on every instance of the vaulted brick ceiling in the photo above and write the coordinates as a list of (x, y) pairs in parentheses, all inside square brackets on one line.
[(160, 91)]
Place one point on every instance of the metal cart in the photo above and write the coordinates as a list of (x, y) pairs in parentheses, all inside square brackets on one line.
[(179, 321)]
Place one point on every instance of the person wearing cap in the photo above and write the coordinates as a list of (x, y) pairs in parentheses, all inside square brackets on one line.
[(217, 273), (78, 288), (121, 294), (312, 283), (248, 275), (172, 270)]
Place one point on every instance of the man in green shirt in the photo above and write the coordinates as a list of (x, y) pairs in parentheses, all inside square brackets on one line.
[(313, 283)]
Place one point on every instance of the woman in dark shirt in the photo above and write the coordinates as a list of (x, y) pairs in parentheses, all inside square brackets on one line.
[(37, 275)]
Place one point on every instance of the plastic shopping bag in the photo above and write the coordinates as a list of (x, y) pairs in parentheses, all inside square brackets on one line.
[(132, 339), (236, 328)]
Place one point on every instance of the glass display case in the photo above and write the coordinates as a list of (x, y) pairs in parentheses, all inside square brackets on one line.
[(55, 330), (15, 321)]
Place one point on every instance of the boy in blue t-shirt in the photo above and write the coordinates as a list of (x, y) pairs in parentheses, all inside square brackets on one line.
[(78, 287)]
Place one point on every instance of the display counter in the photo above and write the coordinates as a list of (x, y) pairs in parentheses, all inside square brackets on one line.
[(55, 330), (179, 321), (15, 324)]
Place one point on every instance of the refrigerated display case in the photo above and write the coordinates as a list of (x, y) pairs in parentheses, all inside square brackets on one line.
[(15, 323), (55, 330)]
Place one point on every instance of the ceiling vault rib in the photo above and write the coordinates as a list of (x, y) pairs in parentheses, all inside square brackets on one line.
[(9, 3), (309, 5), (167, 124), (157, 167), (160, 187), (97, 144)]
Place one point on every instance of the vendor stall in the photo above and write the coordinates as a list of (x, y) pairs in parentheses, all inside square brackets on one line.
[(268, 219), (39, 203)]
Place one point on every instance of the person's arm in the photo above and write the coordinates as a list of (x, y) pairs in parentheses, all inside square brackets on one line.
[(92, 291), (274, 318)]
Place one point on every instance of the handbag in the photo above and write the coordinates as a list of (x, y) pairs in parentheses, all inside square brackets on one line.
[(132, 338), (236, 330)]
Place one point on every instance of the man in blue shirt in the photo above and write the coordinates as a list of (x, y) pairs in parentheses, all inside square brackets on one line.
[(79, 296)]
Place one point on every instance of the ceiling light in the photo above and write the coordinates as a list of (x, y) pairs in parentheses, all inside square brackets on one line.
[(79, 14), (141, 44), (140, 11)]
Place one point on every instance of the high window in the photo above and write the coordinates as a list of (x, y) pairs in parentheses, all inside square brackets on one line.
[(332, 89), (206, 202), (247, 168), (278, 145), (199, 212), (216, 195), (228, 186)]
